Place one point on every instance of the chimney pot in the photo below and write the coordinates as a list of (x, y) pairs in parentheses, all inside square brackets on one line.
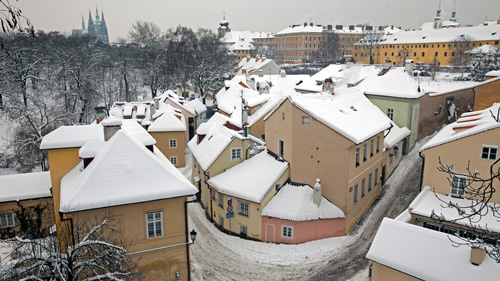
[(477, 255), (317, 193)]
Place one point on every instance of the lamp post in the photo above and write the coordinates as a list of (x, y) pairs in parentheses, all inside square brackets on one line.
[(193, 234)]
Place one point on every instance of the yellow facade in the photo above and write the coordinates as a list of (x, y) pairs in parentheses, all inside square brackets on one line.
[(317, 151), (453, 153), (48, 219), (486, 94), (380, 272), (172, 145)]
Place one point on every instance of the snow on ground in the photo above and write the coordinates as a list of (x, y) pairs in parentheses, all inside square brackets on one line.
[(218, 256)]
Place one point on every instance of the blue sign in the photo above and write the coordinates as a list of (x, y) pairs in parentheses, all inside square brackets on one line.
[(230, 201), (229, 215)]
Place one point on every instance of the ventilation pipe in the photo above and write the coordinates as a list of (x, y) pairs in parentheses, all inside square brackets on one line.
[(317, 193)]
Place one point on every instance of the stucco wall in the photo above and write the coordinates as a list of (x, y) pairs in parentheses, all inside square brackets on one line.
[(303, 231), (487, 94), (48, 218), (434, 110), (384, 273), (460, 153), (163, 144)]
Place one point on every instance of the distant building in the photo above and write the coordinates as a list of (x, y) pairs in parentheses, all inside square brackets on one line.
[(95, 28)]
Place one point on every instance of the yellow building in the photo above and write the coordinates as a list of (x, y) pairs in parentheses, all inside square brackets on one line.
[(239, 194), (446, 46), (337, 138), (298, 43), (129, 180)]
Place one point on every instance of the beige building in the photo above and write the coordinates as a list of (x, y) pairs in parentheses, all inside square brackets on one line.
[(128, 179), (337, 138)]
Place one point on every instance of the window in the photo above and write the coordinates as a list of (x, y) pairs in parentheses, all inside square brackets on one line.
[(423, 54), (445, 54), (155, 224), (458, 186), (173, 160), (436, 54), (390, 113), (243, 209), (7, 220), (305, 120), (375, 179), (243, 230), (212, 194), (357, 156), (365, 151), (370, 182), (236, 154), (221, 200), (173, 143), (281, 148), (378, 144), (372, 142), (287, 231), (355, 194), (489, 152), (283, 115), (363, 188)]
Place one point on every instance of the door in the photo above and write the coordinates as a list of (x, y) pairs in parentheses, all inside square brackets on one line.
[(270, 233)]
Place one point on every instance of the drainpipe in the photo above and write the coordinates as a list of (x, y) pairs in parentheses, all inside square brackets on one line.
[(187, 236), (422, 171), (61, 215)]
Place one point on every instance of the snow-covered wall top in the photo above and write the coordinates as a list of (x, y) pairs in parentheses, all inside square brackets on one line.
[(295, 203), (470, 123), (301, 29), (117, 178), (252, 179), (426, 254), (25, 186)]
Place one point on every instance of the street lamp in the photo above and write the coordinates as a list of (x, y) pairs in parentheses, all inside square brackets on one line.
[(193, 234)]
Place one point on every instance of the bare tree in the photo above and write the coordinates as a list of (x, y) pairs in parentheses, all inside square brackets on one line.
[(95, 255), (329, 48), (370, 42), (11, 19), (460, 50)]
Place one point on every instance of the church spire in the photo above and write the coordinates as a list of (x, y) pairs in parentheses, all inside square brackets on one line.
[(90, 18), (454, 13), (438, 15), (97, 21), (83, 23)]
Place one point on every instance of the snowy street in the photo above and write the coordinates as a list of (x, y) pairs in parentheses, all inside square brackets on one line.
[(218, 256)]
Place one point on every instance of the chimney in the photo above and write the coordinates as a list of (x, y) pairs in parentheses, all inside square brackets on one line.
[(317, 193), (305, 24), (283, 73), (157, 102), (329, 27), (380, 28), (477, 255), (251, 82), (248, 57), (339, 26), (369, 28), (328, 86), (387, 64), (311, 24), (110, 126), (351, 27), (392, 27), (409, 67), (260, 72)]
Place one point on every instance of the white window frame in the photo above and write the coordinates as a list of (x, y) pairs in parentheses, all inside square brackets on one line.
[(489, 154), (306, 120), (173, 160), (289, 231), (153, 222), (459, 190), (243, 209), (236, 154), (172, 143), (243, 229), (7, 220)]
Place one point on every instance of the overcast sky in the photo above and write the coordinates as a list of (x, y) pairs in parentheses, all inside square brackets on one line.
[(253, 15)]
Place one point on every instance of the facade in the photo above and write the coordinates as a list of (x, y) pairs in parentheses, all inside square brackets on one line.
[(25, 191), (398, 95), (301, 131), (95, 178), (97, 28), (297, 43)]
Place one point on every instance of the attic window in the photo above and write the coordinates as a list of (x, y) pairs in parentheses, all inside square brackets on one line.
[(353, 108), (494, 33), (423, 37), (395, 39), (209, 138)]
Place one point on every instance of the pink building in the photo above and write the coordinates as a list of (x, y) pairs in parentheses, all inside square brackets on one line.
[(299, 214)]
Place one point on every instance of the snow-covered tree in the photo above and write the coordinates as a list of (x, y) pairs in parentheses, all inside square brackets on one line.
[(12, 19), (482, 64), (94, 255)]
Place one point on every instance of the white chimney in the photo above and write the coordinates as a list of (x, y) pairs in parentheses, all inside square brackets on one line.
[(409, 67), (283, 73), (317, 193)]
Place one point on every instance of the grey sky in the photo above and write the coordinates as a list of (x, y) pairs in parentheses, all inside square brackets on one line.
[(254, 15)]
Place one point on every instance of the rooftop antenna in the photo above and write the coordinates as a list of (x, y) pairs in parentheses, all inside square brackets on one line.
[(224, 15)]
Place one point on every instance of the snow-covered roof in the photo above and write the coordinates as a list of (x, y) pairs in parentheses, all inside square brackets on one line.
[(470, 123), (301, 29), (295, 203), (252, 179), (250, 65), (198, 106), (485, 49), (25, 186), (168, 122), (72, 136), (428, 205), (116, 178), (426, 254), (140, 110), (217, 138), (178, 101), (90, 149), (395, 135), (137, 131), (477, 33), (238, 40), (395, 83), (262, 34), (348, 112)]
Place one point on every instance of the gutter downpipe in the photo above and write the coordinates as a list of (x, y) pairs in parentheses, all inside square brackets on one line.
[(422, 170)]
